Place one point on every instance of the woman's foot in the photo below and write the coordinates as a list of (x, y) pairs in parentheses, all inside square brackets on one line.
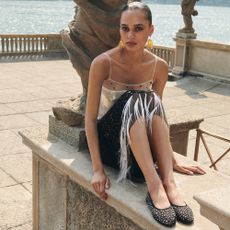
[(159, 205), (165, 216), (183, 212), (173, 195), (158, 195)]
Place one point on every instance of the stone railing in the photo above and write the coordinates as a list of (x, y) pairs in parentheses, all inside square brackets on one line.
[(11, 44), (166, 53)]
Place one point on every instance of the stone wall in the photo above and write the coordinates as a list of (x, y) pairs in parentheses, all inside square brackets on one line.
[(202, 58)]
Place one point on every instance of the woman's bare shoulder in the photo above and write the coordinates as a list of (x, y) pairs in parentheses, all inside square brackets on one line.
[(161, 70), (153, 57), (113, 53), (100, 60), (100, 67)]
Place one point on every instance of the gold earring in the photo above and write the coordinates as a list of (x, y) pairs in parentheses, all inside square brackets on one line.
[(150, 43), (121, 44)]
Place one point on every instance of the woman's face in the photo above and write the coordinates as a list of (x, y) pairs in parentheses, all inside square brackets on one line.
[(134, 29)]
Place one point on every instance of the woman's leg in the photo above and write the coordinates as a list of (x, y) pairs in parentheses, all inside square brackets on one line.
[(139, 144), (160, 145)]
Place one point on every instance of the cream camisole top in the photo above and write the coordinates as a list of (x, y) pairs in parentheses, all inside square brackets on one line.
[(112, 90)]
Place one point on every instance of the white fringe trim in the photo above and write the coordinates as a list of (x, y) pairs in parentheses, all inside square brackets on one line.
[(141, 112)]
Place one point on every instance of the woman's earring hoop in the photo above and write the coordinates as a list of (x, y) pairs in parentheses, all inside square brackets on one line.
[(121, 44), (150, 43)]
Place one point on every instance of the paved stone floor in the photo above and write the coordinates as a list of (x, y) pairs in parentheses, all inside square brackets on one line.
[(29, 89)]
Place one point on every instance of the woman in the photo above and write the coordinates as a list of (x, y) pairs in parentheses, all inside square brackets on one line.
[(123, 107)]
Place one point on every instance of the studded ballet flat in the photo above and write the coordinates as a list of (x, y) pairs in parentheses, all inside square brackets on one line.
[(165, 216), (184, 213)]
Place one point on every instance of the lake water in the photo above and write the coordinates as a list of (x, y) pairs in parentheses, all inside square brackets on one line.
[(31, 17)]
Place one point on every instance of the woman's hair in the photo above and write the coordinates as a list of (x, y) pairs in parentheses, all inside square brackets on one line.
[(139, 6)]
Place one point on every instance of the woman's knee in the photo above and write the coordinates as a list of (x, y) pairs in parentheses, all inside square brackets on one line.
[(138, 125)]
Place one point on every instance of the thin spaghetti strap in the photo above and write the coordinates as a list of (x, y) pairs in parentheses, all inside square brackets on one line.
[(154, 68), (110, 64)]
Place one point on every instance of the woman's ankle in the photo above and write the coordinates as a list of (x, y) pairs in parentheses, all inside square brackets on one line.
[(158, 194), (173, 194), (169, 183), (153, 185)]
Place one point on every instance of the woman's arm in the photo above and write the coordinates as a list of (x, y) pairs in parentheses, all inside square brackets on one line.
[(98, 73), (160, 78)]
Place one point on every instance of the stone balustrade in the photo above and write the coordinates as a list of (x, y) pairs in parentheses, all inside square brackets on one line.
[(11, 44), (166, 53)]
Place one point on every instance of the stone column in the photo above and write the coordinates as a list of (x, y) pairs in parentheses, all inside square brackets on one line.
[(183, 38), (183, 54)]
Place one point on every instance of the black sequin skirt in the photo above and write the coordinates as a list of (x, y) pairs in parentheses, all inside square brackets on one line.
[(109, 133)]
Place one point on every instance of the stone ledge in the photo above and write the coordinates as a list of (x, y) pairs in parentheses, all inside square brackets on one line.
[(127, 199), (215, 205), (179, 130)]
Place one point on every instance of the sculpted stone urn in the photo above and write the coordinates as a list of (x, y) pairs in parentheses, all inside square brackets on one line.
[(95, 29)]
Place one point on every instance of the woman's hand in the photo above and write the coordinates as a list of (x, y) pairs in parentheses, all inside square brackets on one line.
[(187, 169), (100, 183)]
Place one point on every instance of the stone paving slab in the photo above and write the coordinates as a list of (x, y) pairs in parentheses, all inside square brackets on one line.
[(16, 206), (17, 166), (195, 111), (219, 96), (16, 121), (195, 85), (27, 226), (42, 92), (214, 126), (221, 89), (31, 106), (28, 186), (11, 143), (223, 107), (223, 121), (6, 180), (41, 117), (173, 102), (5, 110), (13, 95), (196, 99), (14, 82), (67, 90), (222, 166)]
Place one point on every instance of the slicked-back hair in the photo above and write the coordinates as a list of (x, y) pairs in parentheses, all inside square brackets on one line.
[(139, 6)]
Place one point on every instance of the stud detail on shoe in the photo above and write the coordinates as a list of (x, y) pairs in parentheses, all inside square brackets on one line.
[(166, 216)]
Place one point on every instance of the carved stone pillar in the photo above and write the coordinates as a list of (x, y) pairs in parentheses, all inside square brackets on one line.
[(183, 37)]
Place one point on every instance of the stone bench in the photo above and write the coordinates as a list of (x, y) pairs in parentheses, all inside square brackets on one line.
[(179, 132), (64, 199)]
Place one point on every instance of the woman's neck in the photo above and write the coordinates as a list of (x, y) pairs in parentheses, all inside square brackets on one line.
[(135, 57)]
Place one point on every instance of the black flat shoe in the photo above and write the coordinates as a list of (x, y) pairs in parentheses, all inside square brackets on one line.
[(184, 213), (165, 216)]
